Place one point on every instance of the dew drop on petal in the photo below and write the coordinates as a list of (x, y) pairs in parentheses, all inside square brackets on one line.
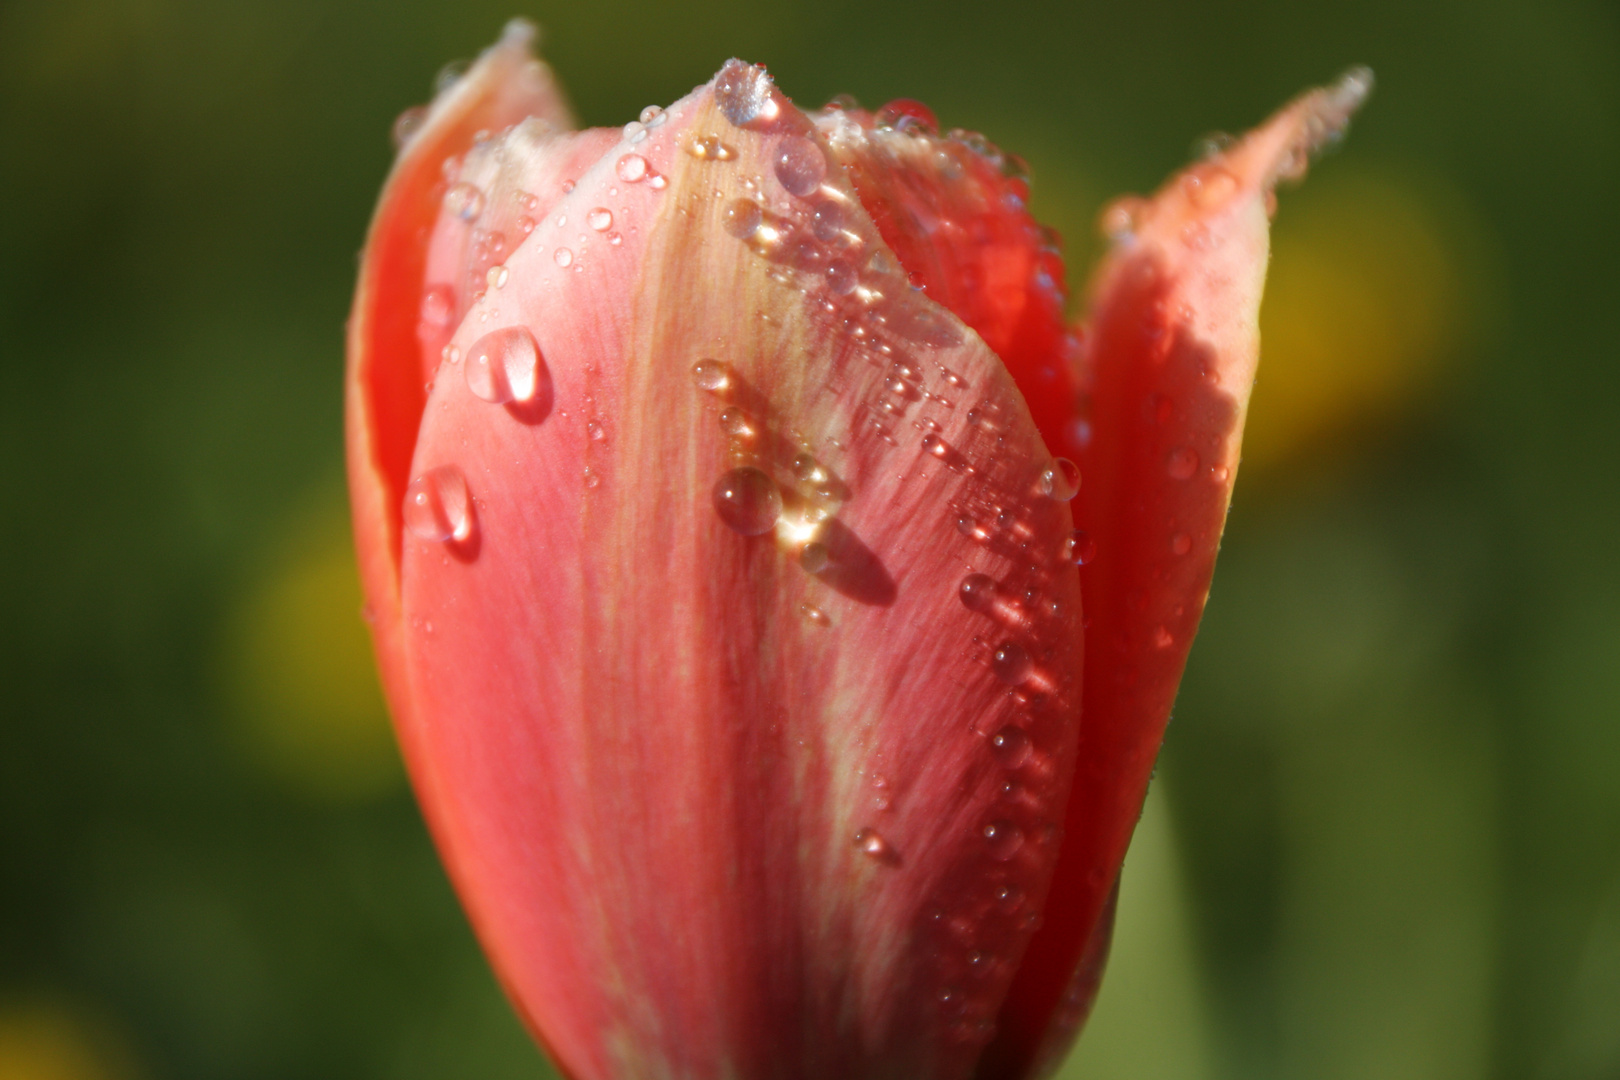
[(827, 222), (1180, 544), (1009, 898), (635, 131), (631, 168), (841, 277), (600, 219), (711, 375), (464, 200), (1163, 638), (747, 501), (799, 164), (407, 124), (652, 116), (1060, 480), (871, 844), (438, 505), (1182, 463), (1011, 663), (737, 423), (814, 557), (743, 218), (977, 592), (506, 365), (814, 614), (745, 94), (563, 257), (438, 306), (497, 276), (1079, 548), (1003, 838), (1010, 746)]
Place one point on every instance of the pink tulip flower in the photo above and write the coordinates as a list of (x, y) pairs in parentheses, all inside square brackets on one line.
[(779, 604)]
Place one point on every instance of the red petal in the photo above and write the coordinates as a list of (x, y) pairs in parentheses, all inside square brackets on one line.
[(713, 809), (384, 384), (1170, 355)]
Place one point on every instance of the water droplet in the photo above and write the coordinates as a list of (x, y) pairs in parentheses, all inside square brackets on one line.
[(450, 354), (657, 182), (871, 844), (841, 277), (745, 94), (1009, 898), (808, 470), (814, 614), (464, 200), (600, 219), (407, 124), (595, 431), (438, 306), (743, 218), (905, 114), (814, 557), (506, 365), (615, 239), (1122, 217), (709, 148), (747, 501), (1011, 663), (711, 375), (497, 276), (1060, 480), (1010, 746), (737, 423), (652, 116), (799, 164), (827, 223), (563, 257), (1180, 544), (936, 446), (1079, 548), (631, 168), (1163, 638), (1182, 463), (635, 131), (438, 505), (977, 592), (1004, 839), (525, 224)]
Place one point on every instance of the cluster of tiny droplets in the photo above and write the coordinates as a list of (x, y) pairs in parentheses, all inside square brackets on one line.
[(814, 237)]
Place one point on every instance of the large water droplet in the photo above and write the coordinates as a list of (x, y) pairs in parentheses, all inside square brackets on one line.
[(464, 200), (742, 218), (814, 557), (600, 219), (841, 277), (438, 505), (563, 257), (800, 165), (711, 375), (827, 223), (747, 501), (977, 592), (745, 94), (506, 365), (737, 423), (1079, 548), (1182, 463), (1003, 838), (1011, 663), (631, 168), (1010, 746), (1060, 479)]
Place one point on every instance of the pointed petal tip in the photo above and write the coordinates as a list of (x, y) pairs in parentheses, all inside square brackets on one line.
[(1310, 125)]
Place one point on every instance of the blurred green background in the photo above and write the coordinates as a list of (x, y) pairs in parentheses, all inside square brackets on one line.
[(1385, 837)]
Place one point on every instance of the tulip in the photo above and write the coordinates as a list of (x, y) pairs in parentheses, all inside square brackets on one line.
[(727, 489)]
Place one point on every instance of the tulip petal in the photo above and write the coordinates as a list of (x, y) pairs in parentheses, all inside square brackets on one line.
[(384, 395), (733, 775), (1169, 358)]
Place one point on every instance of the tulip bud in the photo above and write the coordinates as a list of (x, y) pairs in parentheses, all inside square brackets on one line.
[(716, 499)]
